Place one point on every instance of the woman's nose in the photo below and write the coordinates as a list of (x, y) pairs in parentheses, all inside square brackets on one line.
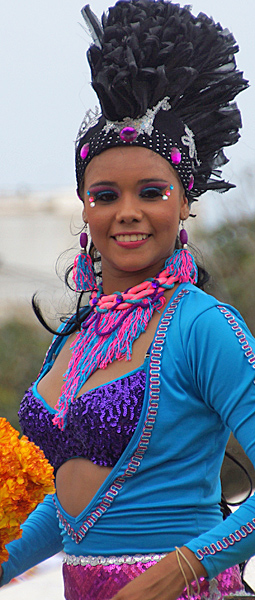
[(128, 209)]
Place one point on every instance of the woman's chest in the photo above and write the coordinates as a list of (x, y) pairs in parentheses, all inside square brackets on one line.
[(50, 385)]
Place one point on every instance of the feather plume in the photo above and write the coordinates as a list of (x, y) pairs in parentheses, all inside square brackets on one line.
[(93, 25), (154, 48)]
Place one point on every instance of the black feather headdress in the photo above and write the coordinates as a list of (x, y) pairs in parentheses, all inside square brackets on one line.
[(150, 52)]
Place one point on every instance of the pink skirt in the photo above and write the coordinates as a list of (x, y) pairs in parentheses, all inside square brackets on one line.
[(92, 578)]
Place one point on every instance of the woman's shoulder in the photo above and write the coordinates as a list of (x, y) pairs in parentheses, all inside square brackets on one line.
[(194, 304), (202, 311), (199, 298), (198, 301), (204, 317)]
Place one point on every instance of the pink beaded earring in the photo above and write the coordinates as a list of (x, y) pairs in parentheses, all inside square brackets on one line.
[(83, 270)]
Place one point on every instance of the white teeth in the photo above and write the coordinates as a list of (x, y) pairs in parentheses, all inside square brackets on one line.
[(131, 238)]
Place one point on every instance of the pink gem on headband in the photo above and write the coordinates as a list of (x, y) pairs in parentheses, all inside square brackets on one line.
[(84, 151), (191, 183), (128, 134), (176, 156)]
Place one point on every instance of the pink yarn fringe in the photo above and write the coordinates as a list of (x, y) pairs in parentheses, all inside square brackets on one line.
[(183, 267), (91, 351), (83, 273)]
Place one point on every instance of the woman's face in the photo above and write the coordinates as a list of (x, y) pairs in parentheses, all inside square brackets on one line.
[(131, 226)]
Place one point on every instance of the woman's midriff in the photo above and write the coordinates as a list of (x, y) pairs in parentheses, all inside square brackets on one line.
[(77, 482)]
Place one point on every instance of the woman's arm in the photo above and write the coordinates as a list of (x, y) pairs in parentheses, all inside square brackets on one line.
[(40, 539), (163, 581), (221, 356), (222, 366)]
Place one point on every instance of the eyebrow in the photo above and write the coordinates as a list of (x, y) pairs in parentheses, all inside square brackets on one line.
[(103, 183), (106, 182), (152, 179)]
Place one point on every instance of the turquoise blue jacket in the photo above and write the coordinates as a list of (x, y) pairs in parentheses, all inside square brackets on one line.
[(165, 489)]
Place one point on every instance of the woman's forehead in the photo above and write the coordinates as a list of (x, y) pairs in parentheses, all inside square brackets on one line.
[(133, 159)]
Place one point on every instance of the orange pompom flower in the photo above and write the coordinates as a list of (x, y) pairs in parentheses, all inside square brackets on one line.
[(26, 477)]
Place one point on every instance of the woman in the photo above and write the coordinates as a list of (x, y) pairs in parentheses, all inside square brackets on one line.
[(156, 372)]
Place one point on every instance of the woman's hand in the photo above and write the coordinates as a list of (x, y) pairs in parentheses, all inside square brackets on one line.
[(163, 581)]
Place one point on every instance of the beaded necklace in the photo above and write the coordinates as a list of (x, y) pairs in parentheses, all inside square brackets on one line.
[(115, 322)]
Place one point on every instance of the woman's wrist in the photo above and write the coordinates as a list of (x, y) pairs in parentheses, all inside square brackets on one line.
[(195, 564), (185, 569), (181, 576)]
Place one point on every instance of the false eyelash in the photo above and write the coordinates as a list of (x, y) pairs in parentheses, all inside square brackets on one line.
[(159, 190)]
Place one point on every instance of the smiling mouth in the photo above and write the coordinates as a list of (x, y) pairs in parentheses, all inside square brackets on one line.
[(132, 237)]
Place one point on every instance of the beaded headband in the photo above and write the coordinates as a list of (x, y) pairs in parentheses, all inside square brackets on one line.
[(156, 131), (166, 81)]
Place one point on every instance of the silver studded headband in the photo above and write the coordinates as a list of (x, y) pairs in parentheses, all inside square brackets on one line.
[(158, 130)]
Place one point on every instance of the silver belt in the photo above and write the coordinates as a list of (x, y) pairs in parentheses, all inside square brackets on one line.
[(71, 559)]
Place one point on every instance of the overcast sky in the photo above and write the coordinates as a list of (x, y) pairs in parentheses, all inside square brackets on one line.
[(45, 86)]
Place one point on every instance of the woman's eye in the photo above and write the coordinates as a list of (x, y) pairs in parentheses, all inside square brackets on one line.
[(151, 192), (105, 195)]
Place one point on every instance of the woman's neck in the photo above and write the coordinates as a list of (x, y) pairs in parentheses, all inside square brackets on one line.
[(122, 280)]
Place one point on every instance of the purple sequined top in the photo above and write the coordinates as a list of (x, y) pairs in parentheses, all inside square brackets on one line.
[(99, 424)]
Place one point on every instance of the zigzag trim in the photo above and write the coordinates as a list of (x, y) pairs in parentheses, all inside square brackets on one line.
[(228, 541), (248, 351)]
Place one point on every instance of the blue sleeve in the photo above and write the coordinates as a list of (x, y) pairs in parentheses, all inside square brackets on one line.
[(41, 538), (220, 354)]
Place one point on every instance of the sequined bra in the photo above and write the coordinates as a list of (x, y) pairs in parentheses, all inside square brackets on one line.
[(100, 423)]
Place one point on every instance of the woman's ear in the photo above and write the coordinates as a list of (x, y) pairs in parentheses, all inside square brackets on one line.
[(84, 214), (184, 210)]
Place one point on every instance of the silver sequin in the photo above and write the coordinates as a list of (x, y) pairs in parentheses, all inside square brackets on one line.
[(90, 120), (71, 559), (188, 140), (142, 124)]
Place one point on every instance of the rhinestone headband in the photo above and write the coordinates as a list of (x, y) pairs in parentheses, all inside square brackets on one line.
[(157, 130)]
